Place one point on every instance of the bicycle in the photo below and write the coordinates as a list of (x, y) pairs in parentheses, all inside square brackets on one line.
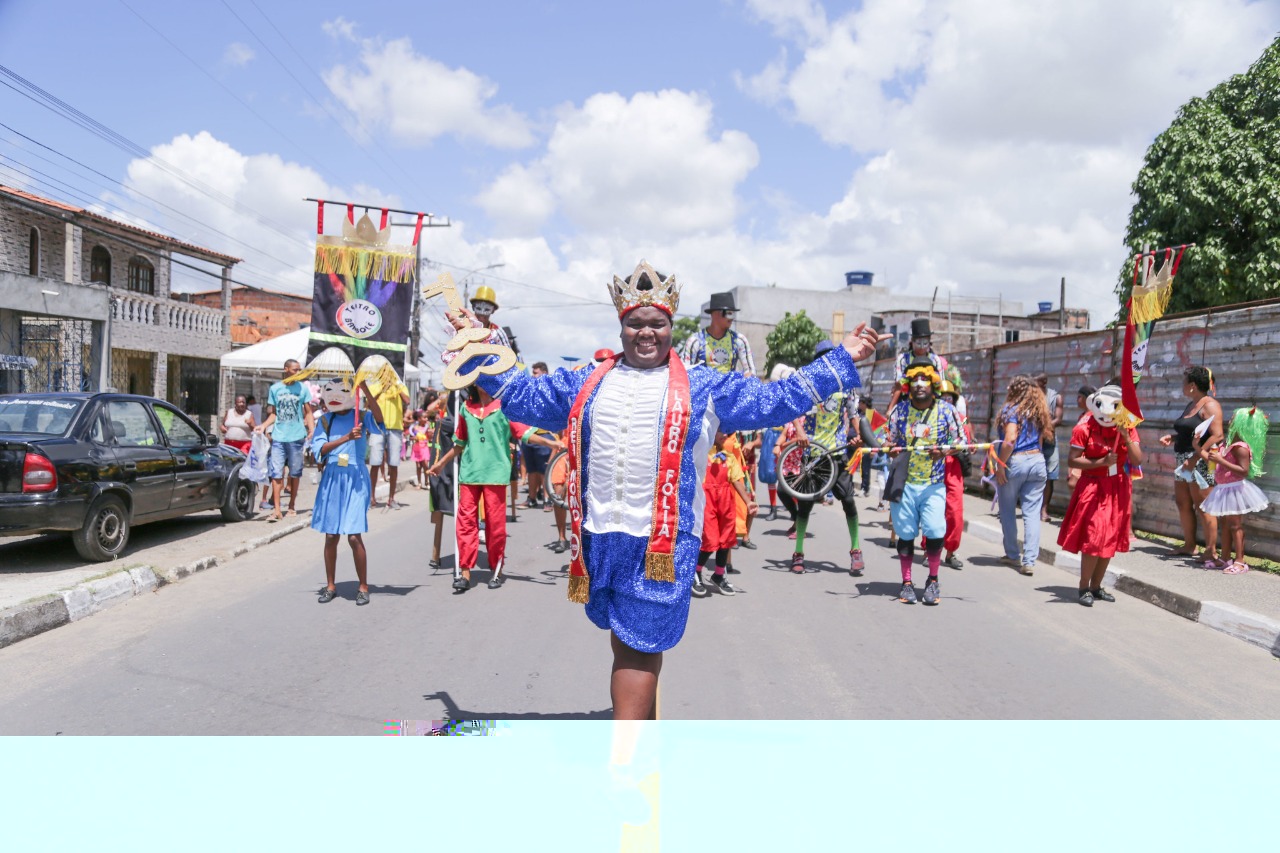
[(807, 469)]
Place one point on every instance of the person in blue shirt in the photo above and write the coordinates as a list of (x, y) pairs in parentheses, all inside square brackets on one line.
[(290, 422)]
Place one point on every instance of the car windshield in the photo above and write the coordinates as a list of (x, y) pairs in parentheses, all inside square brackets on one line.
[(37, 415)]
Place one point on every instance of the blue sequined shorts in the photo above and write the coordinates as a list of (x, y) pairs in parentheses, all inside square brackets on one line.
[(649, 616)]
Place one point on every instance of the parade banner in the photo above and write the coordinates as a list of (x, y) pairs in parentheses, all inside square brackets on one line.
[(1146, 305), (362, 304)]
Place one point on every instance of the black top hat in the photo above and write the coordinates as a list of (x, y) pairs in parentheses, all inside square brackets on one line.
[(721, 302), (920, 328)]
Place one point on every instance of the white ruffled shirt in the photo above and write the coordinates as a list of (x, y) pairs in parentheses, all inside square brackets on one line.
[(622, 463)]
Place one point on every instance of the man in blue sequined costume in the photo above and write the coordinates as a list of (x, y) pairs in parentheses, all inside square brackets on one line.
[(624, 422)]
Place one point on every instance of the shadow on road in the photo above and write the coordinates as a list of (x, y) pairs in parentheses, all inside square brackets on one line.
[(1061, 594), (453, 711)]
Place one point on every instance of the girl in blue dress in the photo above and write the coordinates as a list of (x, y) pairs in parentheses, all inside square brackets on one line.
[(342, 500)]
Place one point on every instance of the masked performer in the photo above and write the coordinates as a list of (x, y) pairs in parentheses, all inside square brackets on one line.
[(1096, 524), (640, 426), (342, 499), (925, 421)]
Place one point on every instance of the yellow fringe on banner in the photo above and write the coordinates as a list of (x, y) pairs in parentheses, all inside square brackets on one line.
[(579, 589), (660, 567), (1150, 302), (350, 260)]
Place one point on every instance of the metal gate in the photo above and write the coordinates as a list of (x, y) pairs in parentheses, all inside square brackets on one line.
[(62, 354)]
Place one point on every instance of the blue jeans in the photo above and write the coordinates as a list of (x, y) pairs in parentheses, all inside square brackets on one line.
[(285, 454), (1026, 484)]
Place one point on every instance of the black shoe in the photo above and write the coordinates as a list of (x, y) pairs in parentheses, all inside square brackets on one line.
[(721, 583), (1101, 595), (699, 589), (560, 546), (1086, 598), (496, 581), (327, 595), (731, 570), (434, 565), (748, 544), (362, 597), (773, 514), (461, 584)]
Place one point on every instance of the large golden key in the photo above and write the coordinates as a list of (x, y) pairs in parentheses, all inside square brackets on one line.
[(468, 343)]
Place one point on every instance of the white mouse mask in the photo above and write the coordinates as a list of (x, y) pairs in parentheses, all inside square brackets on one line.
[(338, 395), (1103, 403)]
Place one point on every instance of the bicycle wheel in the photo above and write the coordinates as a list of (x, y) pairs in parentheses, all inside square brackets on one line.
[(558, 477), (806, 472)]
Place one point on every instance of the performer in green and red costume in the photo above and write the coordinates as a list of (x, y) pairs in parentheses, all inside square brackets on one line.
[(640, 425)]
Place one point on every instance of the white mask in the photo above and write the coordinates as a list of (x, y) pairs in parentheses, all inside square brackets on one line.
[(338, 395)]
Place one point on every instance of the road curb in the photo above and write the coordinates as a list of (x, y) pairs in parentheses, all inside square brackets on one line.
[(89, 597), (1254, 628)]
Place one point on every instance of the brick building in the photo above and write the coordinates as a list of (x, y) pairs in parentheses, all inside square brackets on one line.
[(258, 315), (85, 304)]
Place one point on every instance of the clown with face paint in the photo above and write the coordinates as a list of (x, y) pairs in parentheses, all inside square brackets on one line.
[(342, 499), (1096, 524)]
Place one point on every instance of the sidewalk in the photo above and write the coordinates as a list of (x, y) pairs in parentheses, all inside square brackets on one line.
[(44, 583), (1245, 606)]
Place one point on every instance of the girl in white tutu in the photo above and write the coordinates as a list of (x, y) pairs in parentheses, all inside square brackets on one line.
[(1234, 496)]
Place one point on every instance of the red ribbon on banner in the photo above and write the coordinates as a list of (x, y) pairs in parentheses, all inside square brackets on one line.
[(351, 213), (384, 219), (320, 217), (417, 230)]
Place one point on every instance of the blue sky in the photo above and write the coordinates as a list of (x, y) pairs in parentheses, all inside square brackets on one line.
[(982, 147)]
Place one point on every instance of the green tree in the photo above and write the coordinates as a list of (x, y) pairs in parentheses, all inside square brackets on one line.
[(1213, 179), (682, 330), (792, 341)]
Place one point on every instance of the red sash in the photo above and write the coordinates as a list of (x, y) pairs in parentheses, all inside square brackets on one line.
[(659, 563)]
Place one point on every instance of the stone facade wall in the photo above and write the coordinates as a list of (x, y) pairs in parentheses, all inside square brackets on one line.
[(121, 253), (16, 222)]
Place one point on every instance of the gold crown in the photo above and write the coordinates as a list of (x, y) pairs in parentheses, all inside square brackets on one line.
[(661, 292)]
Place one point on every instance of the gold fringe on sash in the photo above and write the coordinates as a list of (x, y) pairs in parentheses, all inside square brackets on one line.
[(579, 588), (660, 567)]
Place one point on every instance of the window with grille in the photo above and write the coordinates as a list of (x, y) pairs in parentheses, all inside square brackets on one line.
[(142, 276), (100, 265)]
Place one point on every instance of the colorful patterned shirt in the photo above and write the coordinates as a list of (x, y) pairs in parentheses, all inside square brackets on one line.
[(938, 424), (827, 424), (730, 354)]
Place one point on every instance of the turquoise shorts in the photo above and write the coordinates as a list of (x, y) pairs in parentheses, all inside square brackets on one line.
[(922, 508)]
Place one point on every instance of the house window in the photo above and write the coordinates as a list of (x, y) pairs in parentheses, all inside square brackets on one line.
[(33, 252), (100, 265), (142, 276), (1010, 336)]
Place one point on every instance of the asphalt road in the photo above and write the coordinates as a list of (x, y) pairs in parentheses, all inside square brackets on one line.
[(245, 649)]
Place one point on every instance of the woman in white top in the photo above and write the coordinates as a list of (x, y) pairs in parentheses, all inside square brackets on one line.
[(237, 426)]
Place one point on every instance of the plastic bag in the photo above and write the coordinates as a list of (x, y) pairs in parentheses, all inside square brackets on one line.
[(254, 468)]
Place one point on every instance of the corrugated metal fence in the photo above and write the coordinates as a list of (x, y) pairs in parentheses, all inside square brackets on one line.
[(1240, 344)]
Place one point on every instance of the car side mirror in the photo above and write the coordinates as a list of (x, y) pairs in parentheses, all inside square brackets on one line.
[(211, 440)]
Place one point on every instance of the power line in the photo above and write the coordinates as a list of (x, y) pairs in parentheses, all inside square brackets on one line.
[(55, 105), (321, 102), (227, 89)]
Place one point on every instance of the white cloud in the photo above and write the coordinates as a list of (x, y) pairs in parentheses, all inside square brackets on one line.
[(1001, 137), (276, 243), (649, 165), (238, 54), (417, 99)]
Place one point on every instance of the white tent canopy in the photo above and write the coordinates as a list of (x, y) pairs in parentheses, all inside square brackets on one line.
[(271, 355)]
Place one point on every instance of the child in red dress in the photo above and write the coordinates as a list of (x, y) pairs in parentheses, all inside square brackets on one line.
[(724, 478), (1096, 524)]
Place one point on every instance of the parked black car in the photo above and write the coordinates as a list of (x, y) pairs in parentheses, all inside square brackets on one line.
[(97, 464)]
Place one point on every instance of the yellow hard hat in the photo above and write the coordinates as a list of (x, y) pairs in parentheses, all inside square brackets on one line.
[(484, 293)]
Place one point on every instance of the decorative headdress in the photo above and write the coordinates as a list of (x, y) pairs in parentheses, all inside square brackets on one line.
[(1103, 404), (922, 368), (645, 287), (1250, 426)]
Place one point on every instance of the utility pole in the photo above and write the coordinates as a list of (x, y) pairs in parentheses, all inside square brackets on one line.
[(1062, 306)]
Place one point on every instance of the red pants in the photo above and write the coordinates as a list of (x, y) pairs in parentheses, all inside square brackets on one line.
[(954, 481), (468, 524), (718, 517)]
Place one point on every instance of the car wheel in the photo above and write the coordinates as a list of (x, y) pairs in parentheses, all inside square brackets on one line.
[(238, 503), (105, 531)]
